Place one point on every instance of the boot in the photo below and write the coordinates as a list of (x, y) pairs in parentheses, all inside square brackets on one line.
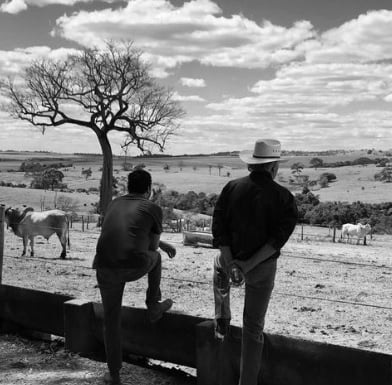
[(155, 311)]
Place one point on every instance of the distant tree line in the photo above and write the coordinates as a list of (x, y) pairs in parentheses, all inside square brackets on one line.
[(31, 166), (11, 184), (362, 161), (314, 212)]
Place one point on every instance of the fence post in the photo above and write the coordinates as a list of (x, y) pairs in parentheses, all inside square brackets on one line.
[(82, 223), (302, 231), (88, 221), (1, 241), (334, 234)]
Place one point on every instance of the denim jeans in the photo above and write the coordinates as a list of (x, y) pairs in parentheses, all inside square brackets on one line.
[(259, 283), (111, 284)]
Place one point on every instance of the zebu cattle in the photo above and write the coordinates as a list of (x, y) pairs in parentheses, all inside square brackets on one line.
[(359, 230), (26, 223)]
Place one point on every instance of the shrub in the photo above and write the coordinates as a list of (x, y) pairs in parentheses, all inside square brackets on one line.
[(329, 175)]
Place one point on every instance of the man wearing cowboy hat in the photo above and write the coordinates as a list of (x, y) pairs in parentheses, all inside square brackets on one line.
[(253, 218)]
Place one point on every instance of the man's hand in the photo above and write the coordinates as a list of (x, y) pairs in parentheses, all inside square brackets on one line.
[(168, 249), (260, 256)]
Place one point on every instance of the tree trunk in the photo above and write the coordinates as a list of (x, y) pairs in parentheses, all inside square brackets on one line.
[(106, 189)]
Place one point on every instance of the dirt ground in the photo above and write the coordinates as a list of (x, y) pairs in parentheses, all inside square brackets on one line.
[(336, 293), (31, 362)]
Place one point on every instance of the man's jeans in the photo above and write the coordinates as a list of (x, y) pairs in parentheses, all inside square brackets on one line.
[(259, 283), (111, 284)]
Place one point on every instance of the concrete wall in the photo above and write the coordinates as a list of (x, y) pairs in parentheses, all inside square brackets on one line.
[(172, 339), (32, 309), (188, 340), (289, 361)]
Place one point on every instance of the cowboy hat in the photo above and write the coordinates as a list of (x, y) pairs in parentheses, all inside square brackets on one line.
[(265, 151)]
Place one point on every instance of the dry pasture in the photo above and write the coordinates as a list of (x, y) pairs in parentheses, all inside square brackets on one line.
[(331, 292)]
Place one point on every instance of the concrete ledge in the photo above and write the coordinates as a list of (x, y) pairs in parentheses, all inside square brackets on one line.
[(78, 327), (172, 339), (188, 340), (289, 361), (217, 362), (33, 309)]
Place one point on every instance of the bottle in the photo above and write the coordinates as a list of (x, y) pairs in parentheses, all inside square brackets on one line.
[(236, 276)]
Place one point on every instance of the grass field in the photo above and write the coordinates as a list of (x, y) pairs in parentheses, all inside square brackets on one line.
[(189, 173)]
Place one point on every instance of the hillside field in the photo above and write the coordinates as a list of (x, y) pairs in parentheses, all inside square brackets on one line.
[(189, 173)]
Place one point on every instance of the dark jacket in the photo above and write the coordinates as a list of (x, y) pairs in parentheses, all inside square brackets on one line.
[(252, 211)]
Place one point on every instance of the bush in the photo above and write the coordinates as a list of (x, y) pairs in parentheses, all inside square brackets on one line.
[(329, 175), (10, 184), (30, 166)]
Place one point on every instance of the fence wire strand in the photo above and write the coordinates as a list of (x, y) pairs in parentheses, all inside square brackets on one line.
[(209, 283)]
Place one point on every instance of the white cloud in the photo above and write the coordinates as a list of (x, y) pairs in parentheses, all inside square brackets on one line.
[(190, 82), (13, 6), (13, 62), (187, 98), (194, 31), (313, 88), (367, 38), (16, 6)]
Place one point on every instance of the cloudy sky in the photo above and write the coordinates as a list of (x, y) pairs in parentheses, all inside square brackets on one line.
[(315, 74)]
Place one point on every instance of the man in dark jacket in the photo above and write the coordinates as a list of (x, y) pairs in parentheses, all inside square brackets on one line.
[(253, 218), (126, 251)]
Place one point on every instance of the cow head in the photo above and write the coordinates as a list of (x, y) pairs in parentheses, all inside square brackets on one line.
[(14, 215)]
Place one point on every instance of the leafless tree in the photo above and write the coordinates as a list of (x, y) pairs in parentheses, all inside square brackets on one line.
[(100, 90)]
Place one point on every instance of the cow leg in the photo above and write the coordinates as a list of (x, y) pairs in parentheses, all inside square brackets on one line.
[(63, 240), (32, 246), (25, 240)]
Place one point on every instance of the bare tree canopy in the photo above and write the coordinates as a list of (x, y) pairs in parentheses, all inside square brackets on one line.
[(102, 90)]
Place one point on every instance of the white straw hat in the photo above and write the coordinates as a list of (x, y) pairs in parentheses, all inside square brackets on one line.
[(265, 151)]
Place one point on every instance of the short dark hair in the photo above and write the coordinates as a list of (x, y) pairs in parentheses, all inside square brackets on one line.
[(139, 181)]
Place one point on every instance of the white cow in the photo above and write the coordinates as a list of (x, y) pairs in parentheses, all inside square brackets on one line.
[(359, 230), (26, 223)]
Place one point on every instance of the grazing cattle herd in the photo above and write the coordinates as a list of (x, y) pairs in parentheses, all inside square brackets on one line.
[(27, 223)]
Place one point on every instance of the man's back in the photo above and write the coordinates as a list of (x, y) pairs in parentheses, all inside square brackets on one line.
[(251, 211), (126, 231)]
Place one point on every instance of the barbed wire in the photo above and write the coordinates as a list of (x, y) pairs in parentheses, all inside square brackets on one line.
[(322, 259), (209, 283)]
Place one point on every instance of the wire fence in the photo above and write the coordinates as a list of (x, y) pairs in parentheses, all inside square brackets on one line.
[(88, 223), (88, 270)]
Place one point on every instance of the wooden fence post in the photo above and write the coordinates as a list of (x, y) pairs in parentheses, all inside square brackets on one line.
[(88, 221), (1, 241), (334, 234), (82, 223), (302, 232)]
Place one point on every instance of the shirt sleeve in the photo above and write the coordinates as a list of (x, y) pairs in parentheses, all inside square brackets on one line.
[(220, 231), (286, 223)]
